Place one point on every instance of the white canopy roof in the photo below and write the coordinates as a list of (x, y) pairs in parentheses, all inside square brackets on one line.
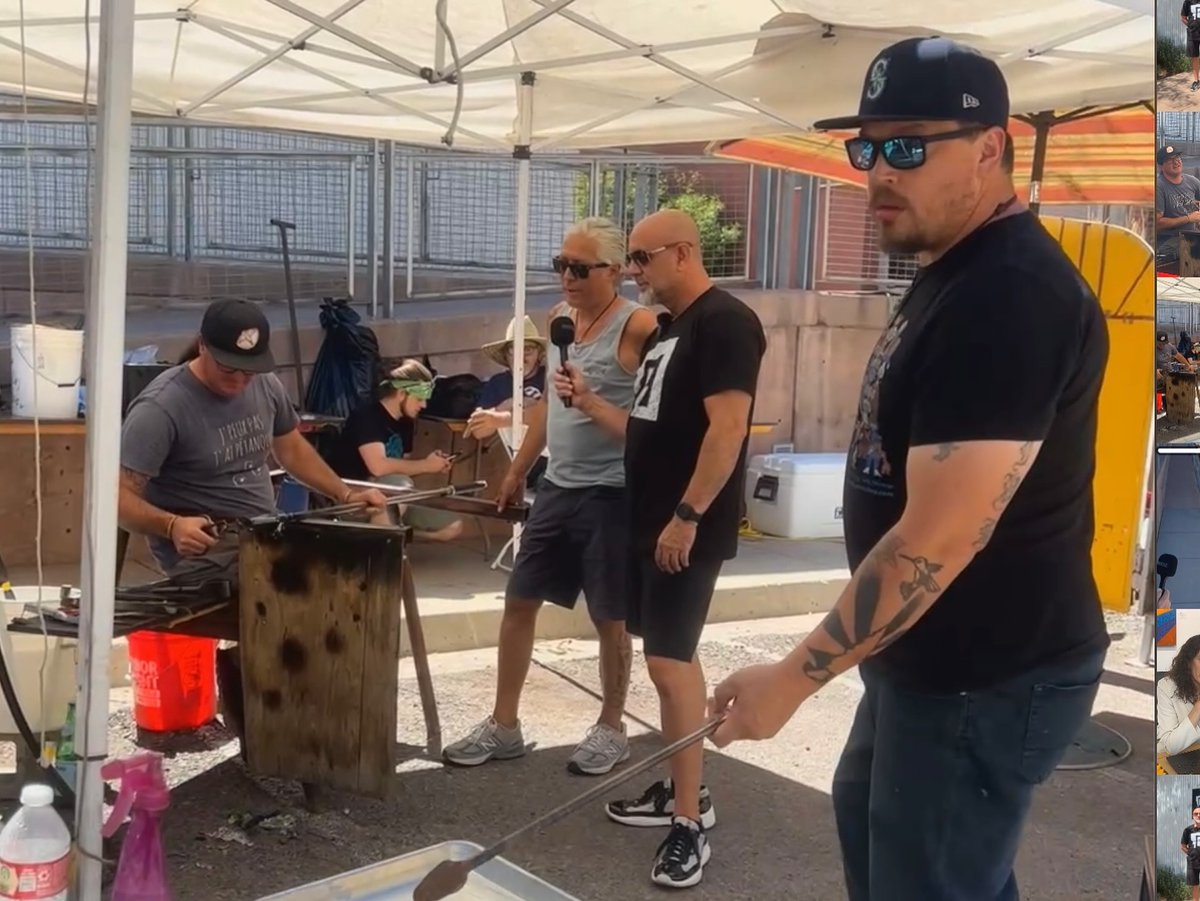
[(609, 72)]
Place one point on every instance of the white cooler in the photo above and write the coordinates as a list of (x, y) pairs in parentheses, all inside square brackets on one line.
[(796, 495)]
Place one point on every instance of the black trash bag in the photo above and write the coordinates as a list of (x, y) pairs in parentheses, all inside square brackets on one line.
[(348, 365)]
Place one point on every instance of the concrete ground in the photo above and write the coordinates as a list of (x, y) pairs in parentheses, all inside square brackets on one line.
[(775, 837), (1174, 94)]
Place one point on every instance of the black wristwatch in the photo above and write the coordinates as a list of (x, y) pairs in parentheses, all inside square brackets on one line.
[(687, 513)]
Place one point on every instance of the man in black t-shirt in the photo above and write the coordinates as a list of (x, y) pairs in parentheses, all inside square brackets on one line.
[(685, 459), (1190, 845), (1189, 13), (972, 611)]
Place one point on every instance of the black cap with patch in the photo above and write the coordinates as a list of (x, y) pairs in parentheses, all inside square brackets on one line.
[(238, 336), (929, 79), (1167, 153)]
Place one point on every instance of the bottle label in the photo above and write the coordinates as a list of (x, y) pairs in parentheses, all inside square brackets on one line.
[(30, 881)]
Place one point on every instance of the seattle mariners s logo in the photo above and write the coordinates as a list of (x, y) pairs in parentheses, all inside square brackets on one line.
[(877, 79)]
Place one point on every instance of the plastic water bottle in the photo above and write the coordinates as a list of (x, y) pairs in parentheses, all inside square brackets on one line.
[(35, 850)]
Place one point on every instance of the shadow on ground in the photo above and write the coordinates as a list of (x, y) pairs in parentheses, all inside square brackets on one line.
[(761, 816)]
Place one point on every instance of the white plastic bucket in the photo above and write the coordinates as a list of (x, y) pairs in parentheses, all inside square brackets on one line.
[(56, 369)]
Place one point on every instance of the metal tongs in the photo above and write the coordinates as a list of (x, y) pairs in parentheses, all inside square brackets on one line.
[(396, 500)]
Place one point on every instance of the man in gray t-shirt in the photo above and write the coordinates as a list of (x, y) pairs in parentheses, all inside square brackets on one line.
[(195, 446), (1175, 201)]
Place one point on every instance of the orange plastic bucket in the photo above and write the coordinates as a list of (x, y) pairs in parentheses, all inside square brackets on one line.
[(174, 681)]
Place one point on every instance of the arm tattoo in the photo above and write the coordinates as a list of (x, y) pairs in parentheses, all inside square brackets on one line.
[(1012, 480), (916, 591), (985, 535), (944, 451), (134, 481)]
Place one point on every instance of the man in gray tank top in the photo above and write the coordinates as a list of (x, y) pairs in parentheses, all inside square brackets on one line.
[(577, 536)]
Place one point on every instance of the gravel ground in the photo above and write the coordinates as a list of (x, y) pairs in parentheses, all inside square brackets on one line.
[(775, 837)]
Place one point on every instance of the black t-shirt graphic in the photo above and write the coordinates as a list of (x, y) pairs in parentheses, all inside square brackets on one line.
[(368, 424), (1190, 10), (1191, 840), (1001, 338), (716, 345)]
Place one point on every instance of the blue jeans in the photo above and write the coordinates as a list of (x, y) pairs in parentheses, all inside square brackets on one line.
[(932, 791)]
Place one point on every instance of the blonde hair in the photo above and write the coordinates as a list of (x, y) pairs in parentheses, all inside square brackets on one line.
[(608, 236)]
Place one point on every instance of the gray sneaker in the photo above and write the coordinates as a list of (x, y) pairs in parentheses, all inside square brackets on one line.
[(601, 750), (487, 741)]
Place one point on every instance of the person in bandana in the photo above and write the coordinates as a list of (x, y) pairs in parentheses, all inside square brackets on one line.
[(375, 445)]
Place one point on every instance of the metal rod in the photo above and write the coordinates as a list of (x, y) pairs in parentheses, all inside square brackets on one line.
[(410, 218), (394, 501), (327, 23), (599, 790), (373, 228), (351, 262), (389, 229), (297, 360)]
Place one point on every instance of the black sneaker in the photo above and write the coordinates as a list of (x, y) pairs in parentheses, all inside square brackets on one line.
[(681, 857), (1195, 85), (656, 807)]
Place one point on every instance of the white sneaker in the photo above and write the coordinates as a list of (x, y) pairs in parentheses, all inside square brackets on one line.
[(601, 750)]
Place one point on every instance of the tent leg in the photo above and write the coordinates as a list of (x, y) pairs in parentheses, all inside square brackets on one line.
[(1037, 171), (521, 154), (105, 343)]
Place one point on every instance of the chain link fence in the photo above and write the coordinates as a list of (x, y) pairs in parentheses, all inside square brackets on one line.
[(202, 201)]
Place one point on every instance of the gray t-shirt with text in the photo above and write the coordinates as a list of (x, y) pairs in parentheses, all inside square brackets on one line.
[(1174, 201), (205, 454)]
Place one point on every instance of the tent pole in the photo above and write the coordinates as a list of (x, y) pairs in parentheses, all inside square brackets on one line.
[(521, 154), (104, 356), (1041, 137)]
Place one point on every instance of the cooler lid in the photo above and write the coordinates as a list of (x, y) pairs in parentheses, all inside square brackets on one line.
[(795, 463)]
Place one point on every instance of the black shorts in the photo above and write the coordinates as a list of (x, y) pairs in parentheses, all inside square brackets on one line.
[(576, 539), (1193, 874), (1193, 46), (667, 610)]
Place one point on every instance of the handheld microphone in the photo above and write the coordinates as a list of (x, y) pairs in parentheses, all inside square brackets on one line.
[(562, 335)]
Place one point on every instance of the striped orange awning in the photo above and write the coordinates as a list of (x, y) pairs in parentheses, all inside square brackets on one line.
[(1102, 159)]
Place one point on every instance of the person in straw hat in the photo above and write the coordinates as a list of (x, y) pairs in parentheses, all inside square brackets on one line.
[(495, 403)]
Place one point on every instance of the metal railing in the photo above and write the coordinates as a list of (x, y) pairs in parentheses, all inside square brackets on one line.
[(440, 222)]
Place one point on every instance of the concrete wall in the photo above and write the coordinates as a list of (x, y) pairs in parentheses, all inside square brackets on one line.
[(817, 348)]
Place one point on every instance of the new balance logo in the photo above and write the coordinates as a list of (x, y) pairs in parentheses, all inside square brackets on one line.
[(969, 102)]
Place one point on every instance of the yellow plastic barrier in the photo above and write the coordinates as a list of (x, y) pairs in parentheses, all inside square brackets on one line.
[(1119, 266)]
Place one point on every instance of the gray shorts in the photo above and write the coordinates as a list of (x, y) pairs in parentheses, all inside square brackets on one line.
[(576, 539)]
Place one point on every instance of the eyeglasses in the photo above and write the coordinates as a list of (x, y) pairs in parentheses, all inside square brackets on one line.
[(901, 152), (643, 257), (577, 269)]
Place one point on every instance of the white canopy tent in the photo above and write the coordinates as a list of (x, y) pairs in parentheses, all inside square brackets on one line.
[(520, 76)]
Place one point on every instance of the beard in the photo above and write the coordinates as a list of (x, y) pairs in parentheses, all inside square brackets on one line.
[(647, 297)]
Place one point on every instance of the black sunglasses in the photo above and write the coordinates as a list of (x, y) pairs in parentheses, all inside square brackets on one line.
[(901, 152), (579, 270), (643, 257)]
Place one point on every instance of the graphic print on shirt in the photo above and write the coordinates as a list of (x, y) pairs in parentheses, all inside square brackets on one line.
[(647, 390), (241, 442), (1194, 839), (1193, 16), (869, 468)]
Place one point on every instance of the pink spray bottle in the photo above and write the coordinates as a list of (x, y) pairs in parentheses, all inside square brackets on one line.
[(141, 869)]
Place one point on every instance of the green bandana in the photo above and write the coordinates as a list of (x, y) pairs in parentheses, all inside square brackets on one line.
[(411, 387)]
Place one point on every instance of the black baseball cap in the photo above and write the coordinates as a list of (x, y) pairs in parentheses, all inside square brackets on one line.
[(929, 78), (238, 335), (1167, 153)]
